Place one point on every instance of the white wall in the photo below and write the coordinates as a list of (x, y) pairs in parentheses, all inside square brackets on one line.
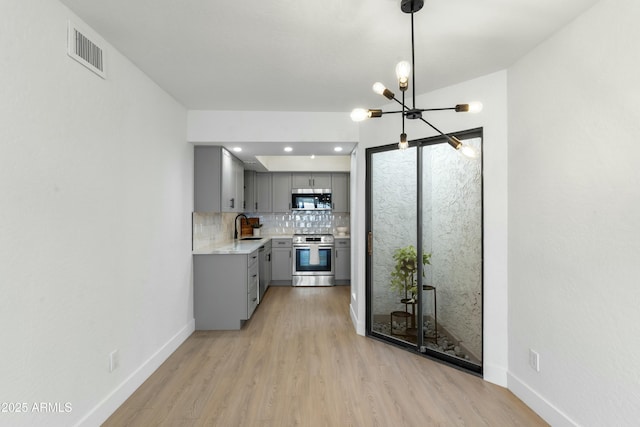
[(574, 234), (96, 198), (491, 91)]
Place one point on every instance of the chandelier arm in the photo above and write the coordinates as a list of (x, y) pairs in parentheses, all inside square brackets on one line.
[(398, 101), (436, 109), (435, 128)]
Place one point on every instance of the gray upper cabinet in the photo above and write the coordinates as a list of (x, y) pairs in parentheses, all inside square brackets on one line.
[(263, 192), (340, 192), (250, 203), (270, 192), (281, 191), (218, 181), (311, 180), (257, 191), (207, 179)]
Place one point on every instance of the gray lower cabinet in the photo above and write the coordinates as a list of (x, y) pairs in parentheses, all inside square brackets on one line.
[(225, 290), (343, 261), (281, 265), (265, 269)]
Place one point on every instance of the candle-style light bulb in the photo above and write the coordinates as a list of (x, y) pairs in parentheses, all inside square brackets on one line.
[(403, 144), (403, 71), (359, 114)]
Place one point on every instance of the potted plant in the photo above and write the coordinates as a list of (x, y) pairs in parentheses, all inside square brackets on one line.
[(256, 228), (404, 278)]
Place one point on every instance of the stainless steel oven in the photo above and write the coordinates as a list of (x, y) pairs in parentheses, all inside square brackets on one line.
[(313, 260)]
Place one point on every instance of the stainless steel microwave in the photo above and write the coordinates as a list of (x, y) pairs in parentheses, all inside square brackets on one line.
[(304, 199)]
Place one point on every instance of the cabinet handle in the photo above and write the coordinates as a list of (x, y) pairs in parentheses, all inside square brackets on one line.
[(256, 205), (289, 254), (254, 300), (370, 243), (269, 258), (255, 275), (244, 204), (233, 202)]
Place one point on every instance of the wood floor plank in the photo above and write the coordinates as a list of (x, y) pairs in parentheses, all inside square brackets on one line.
[(299, 362)]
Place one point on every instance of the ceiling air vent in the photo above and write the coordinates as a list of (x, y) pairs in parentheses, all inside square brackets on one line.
[(84, 47)]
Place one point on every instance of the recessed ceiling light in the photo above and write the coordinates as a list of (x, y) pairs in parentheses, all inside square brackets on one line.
[(237, 149), (288, 149), (338, 149), (313, 156)]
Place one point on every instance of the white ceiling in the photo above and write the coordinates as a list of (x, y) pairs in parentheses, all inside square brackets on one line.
[(293, 55)]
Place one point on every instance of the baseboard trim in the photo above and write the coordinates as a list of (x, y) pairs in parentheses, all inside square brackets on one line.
[(359, 326), (539, 404), (494, 374), (113, 400)]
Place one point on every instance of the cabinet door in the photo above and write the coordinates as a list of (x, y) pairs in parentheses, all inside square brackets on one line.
[(281, 266), (343, 264), (250, 191), (300, 180), (340, 192), (263, 192), (321, 180), (207, 167), (281, 191), (238, 181), (228, 197)]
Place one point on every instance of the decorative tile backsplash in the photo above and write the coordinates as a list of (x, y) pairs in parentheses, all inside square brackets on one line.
[(303, 222), (211, 227)]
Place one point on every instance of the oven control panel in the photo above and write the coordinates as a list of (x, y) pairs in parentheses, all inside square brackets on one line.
[(312, 238)]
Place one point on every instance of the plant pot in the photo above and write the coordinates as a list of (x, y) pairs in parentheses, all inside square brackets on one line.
[(256, 232)]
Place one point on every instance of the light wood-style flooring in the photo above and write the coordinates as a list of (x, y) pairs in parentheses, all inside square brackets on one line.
[(299, 362)]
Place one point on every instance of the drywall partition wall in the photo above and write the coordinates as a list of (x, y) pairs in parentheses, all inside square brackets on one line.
[(491, 91), (574, 204), (95, 224), (248, 126)]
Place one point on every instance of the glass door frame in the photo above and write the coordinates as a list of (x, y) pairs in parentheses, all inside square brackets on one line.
[(419, 347)]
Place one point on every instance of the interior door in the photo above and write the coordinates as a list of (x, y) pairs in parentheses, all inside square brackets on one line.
[(451, 237), (392, 226)]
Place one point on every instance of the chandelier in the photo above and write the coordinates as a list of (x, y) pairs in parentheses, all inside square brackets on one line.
[(403, 72)]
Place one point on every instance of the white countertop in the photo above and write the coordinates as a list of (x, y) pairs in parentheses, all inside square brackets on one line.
[(242, 247), (236, 247), (233, 247)]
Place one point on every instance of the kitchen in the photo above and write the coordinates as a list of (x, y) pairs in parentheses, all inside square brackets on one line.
[(252, 230)]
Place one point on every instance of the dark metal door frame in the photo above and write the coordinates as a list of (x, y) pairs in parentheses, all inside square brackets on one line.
[(419, 347)]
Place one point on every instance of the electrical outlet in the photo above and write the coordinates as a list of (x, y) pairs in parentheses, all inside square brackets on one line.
[(534, 360), (114, 360)]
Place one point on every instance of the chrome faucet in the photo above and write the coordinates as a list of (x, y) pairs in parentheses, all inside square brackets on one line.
[(235, 225)]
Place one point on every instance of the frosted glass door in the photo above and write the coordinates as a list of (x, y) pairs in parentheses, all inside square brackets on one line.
[(451, 216), (393, 227)]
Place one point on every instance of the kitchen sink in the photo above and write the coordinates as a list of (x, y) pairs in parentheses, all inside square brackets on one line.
[(251, 238)]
